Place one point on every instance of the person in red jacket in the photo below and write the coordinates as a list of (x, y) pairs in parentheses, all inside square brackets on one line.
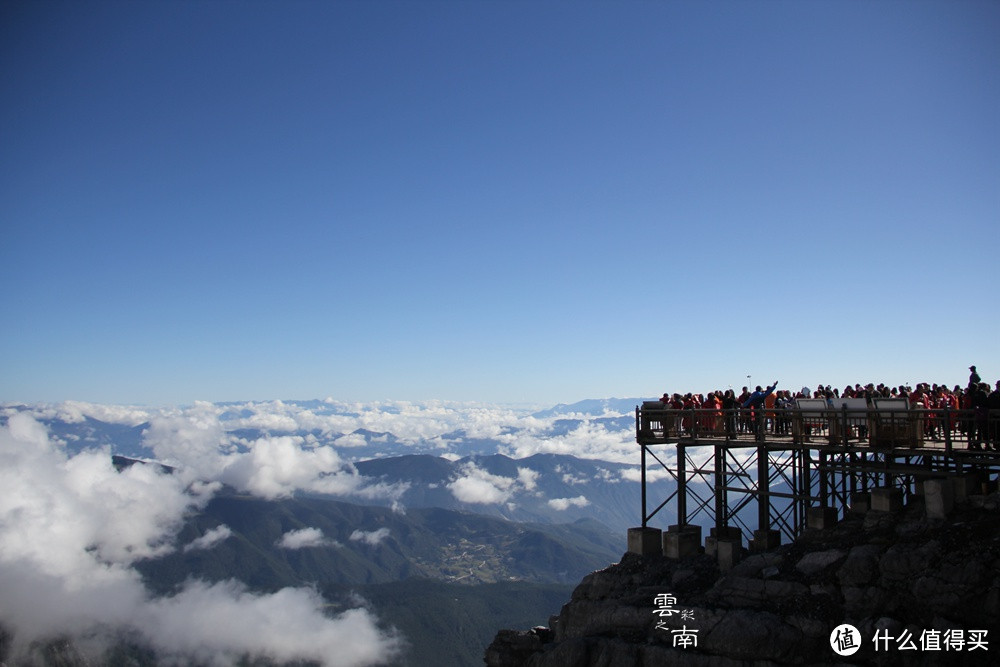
[(919, 401), (690, 404), (714, 405)]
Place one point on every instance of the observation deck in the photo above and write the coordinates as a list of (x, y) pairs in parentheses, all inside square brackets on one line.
[(785, 470)]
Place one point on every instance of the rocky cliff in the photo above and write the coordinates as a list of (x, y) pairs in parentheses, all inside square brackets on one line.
[(920, 591)]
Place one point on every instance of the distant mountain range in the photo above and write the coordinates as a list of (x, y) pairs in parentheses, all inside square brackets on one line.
[(272, 544), (555, 489), (416, 569), (596, 407)]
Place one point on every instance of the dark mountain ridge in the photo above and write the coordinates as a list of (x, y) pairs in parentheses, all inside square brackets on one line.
[(367, 545), (897, 575)]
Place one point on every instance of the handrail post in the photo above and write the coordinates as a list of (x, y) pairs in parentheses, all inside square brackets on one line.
[(946, 427)]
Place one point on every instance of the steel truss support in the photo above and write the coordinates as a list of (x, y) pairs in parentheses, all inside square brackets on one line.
[(772, 486)]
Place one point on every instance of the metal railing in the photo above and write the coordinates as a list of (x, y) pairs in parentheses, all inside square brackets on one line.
[(878, 426)]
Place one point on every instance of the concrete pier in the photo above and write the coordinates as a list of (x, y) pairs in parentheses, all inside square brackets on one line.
[(645, 541), (729, 552), (681, 541), (765, 540), (821, 518), (939, 497), (887, 499), (861, 502)]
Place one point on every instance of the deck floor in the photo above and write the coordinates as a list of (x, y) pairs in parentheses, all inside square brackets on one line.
[(931, 446)]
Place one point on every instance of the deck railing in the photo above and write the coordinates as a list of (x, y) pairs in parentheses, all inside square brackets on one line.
[(882, 425)]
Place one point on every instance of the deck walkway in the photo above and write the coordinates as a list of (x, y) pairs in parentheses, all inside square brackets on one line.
[(788, 464)]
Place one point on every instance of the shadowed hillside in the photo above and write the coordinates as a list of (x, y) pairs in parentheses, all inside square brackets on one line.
[(899, 576)]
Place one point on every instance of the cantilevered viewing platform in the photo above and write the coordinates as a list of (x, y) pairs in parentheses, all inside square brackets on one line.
[(758, 478)]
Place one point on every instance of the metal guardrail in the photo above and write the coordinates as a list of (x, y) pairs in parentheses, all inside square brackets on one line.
[(878, 426)]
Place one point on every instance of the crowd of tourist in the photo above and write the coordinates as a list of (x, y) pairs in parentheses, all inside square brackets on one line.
[(976, 406)]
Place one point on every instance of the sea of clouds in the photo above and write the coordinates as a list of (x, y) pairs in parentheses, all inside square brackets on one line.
[(71, 529), (72, 526)]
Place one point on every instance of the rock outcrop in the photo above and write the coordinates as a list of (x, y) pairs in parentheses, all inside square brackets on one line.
[(929, 589)]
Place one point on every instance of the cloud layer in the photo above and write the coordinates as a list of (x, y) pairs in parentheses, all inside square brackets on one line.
[(71, 527), (189, 434)]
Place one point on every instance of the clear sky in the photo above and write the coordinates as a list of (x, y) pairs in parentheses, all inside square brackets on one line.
[(494, 201)]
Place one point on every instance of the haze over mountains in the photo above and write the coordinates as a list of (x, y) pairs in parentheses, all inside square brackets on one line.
[(303, 510)]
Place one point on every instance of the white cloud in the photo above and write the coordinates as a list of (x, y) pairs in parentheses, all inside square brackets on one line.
[(370, 537), (605, 475), (563, 504), (219, 623), (479, 486), (304, 538), (277, 467), (589, 440), (215, 536), (51, 501), (195, 440), (75, 412), (271, 422), (653, 474), (190, 439), (70, 530), (351, 440), (528, 478)]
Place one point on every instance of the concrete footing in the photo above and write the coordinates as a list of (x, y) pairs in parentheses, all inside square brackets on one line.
[(729, 552), (939, 497), (765, 540), (728, 532), (681, 541), (989, 485), (965, 486), (725, 545), (887, 499), (861, 502), (645, 541), (821, 518)]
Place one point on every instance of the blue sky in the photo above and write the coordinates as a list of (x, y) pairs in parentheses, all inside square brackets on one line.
[(494, 201)]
